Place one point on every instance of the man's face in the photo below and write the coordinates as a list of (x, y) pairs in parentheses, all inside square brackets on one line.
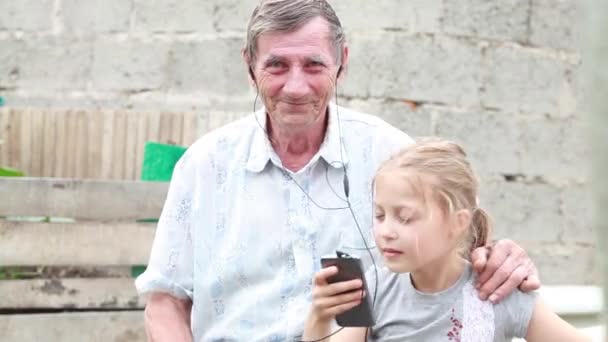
[(295, 74)]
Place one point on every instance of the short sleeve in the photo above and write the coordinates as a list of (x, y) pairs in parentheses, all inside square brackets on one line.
[(514, 313), (170, 268)]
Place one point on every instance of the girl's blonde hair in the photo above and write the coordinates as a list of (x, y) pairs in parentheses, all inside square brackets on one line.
[(443, 167)]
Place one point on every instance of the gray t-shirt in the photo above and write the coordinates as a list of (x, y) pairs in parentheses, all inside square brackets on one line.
[(456, 314)]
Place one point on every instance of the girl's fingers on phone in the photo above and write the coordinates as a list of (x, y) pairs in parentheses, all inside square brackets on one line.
[(344, 286), (337, 300), (320, 277), (338, 309), (336, 289)]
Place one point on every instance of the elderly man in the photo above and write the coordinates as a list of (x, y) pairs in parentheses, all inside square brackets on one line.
[(253, 205)]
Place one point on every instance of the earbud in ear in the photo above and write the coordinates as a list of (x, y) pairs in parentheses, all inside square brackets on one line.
[(339, 71)]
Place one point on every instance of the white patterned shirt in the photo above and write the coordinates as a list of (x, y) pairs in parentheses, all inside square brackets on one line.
[(242, 240)]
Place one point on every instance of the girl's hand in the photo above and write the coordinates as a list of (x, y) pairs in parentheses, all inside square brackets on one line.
[(329, 300)]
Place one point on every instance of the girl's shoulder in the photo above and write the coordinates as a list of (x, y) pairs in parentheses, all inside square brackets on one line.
[(499, 322)]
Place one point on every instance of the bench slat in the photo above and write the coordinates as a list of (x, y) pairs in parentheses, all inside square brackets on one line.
[(573, 300), (79, 243), (83, 199), (75, 293), (74, 327)]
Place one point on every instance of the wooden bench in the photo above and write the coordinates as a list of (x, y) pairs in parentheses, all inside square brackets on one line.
[(104, 235)]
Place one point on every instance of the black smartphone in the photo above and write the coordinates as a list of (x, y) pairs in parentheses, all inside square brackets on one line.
[(350, 268)]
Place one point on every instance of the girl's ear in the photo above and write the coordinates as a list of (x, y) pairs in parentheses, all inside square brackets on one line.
[(461, 221)]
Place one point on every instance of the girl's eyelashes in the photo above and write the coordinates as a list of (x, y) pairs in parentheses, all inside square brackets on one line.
[(400, 215), (403, 220), (379, 216), (405, 215), (399, 218)]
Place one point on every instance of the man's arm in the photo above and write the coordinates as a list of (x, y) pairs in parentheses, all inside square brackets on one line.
[(168, 278), (168, 318), (501, 269)]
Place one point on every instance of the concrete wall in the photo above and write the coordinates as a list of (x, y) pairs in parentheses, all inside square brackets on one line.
[(500, 76)]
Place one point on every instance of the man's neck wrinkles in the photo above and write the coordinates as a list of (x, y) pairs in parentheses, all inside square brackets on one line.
[(297, 146), (295, 151)]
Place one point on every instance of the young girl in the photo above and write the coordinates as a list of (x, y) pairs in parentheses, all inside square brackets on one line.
[(427, 220)]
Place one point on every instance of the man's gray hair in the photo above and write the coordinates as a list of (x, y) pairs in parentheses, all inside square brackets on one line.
[(271, 16)]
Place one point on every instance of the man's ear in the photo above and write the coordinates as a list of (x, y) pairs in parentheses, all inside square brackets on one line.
[(248, 64), (343, 66)]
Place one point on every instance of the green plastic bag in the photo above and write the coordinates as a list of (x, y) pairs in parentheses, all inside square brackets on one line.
[(8, 172), (159, 161)]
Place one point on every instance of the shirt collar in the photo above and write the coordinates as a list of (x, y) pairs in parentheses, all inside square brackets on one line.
[(332, 149)]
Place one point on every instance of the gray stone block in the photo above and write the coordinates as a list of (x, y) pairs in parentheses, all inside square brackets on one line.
[(54, 64), (129, 65), (211, 66), (356, 81), (419, 68), (174, 16), (233, 15), (578, 209), (95, 16), (521, 79), (368, 16), (11, 56), (426, 15), (572, 93), (501, 20), (390, 15), (523, 211), (26, 15), (542, 146), (576, 151), (564, 263), (556, 23), (492, 139), (415, 121), (554, 148)]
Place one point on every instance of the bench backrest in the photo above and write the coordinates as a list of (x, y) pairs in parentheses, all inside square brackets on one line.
[(91, 144)]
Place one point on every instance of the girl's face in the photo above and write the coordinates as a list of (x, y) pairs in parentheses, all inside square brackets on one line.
[(410, 229)]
